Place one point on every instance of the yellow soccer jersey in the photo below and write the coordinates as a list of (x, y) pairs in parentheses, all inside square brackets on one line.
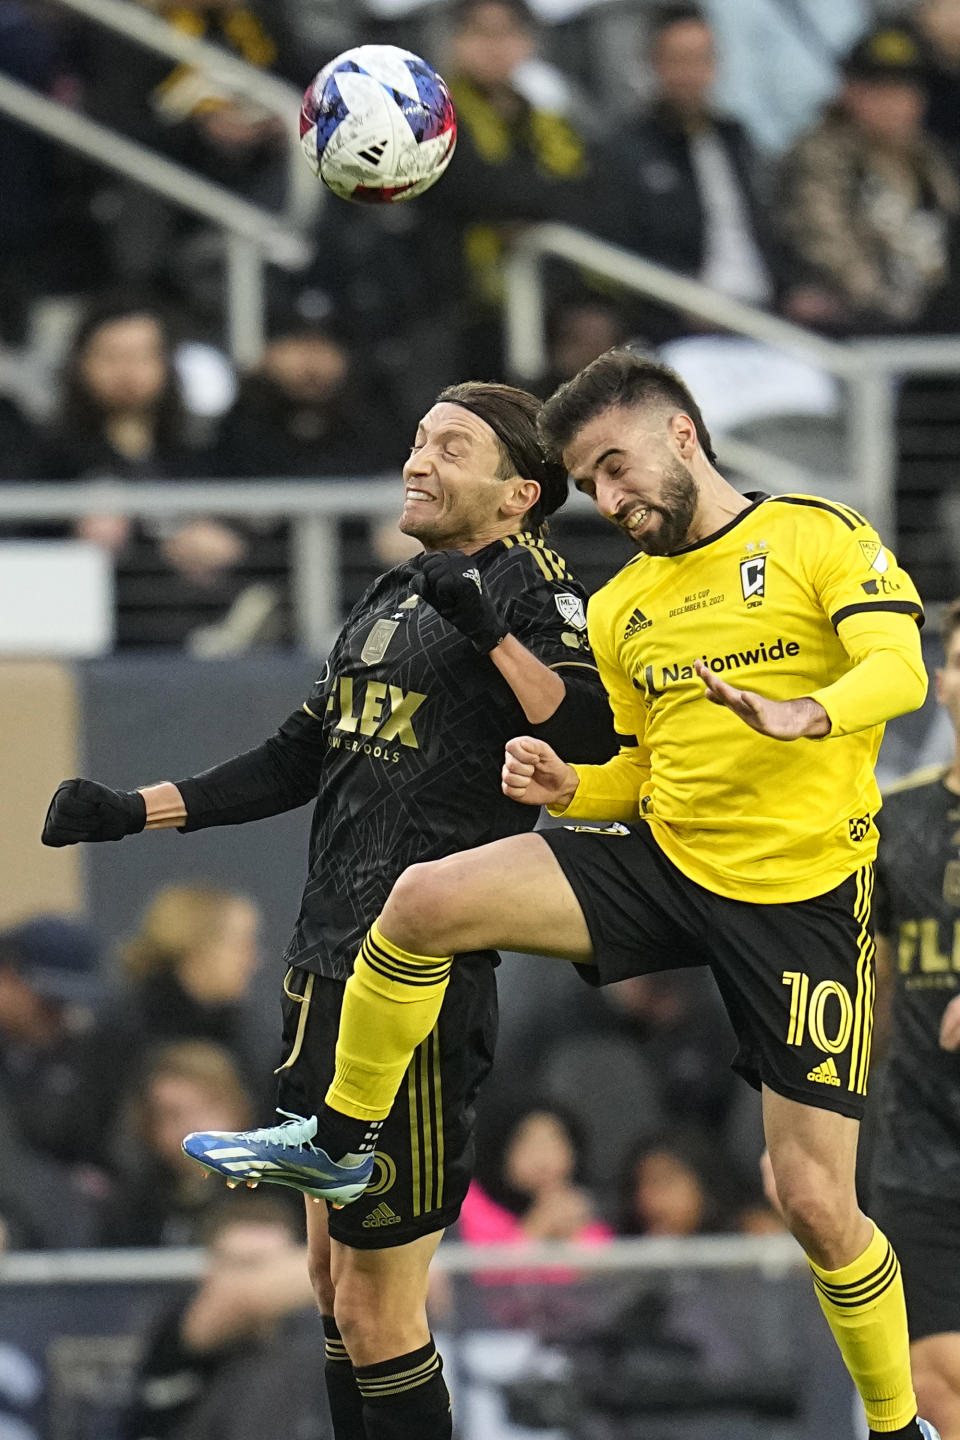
[(767, 602)]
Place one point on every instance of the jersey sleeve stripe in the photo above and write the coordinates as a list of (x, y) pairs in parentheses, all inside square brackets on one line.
[(854, 514), (900, 607), (310, 712), (574, 665), (814, 505), (540, 558), (625, 741)]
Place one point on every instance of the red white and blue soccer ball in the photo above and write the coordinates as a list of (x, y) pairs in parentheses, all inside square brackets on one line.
[(378, 125)]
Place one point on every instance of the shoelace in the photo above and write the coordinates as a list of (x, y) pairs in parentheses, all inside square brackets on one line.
[(295, 1132)]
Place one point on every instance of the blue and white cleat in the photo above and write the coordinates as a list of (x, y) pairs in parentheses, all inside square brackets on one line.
[(281, 1155), (928, 1431)]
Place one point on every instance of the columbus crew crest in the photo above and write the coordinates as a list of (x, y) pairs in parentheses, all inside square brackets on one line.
[(753, 577)]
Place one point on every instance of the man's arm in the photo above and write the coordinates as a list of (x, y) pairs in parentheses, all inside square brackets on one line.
[(569, 710), (887, 678), (279, 775)]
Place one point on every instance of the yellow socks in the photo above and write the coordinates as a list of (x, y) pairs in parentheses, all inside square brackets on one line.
[(865, 1309), (390, 1005)]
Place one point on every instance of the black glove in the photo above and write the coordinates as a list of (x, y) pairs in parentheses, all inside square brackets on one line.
[(86, 810), (451, 583)]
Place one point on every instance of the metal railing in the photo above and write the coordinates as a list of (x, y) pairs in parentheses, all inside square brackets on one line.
[(312, 508), (254, 235), (772, 1255), (229, 72), (868, 368)]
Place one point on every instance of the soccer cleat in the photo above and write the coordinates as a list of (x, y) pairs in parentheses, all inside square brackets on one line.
[(281, 1155), (928, 1431)]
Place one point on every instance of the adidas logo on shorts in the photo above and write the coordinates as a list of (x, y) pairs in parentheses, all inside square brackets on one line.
[(383, 1215), (825, 1074)]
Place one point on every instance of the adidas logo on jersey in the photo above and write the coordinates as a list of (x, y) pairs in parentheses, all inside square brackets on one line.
[(637, 622), (825, 1074), (383, 1215)]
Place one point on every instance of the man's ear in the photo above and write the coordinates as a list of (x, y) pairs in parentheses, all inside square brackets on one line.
[(521, 496)]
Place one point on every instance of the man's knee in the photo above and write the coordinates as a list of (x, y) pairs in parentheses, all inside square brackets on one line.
[(818, 1209), (936, 1398), (410, 915), (377, 1322)]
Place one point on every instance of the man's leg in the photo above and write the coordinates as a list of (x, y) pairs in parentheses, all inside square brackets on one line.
[(856, 1275), (511, 895), (380, 1306), (936, 1377), (346, 1402)]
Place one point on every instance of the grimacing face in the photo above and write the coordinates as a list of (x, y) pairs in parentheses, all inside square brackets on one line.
[(627, 461), (452, 492)]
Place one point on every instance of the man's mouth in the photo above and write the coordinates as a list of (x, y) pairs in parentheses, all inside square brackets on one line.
[(635, 521), (411, 494)]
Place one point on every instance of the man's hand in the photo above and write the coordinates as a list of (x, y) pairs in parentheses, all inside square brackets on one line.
[(449, 581), (535, 775), (86, 810), (780, 719), (950, 1026)]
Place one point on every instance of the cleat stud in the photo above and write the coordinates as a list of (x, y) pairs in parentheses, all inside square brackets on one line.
[(232, 1184), (252, 1184)]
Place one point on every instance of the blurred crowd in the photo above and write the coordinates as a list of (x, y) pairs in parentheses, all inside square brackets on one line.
[(108, 1060), (801, 158)]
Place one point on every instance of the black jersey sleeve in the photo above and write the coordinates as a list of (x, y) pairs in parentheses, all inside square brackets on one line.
[(545, 609), (281, 774)]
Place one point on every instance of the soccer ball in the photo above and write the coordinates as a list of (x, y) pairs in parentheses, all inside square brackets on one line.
[(378, 125)]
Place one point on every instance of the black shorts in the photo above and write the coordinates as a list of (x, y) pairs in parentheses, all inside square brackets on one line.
[(924, 1230), (797, 978), (425, 1154)]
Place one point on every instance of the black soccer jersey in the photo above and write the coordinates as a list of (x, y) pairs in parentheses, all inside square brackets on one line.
[(415, 723), (917, 905)]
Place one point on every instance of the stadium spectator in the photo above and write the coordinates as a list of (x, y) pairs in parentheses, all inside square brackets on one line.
[(682, 178), (44, 193), (234, 1357), (515, 163), (192, 119), (122, 418), (656, 1047), (187, 973), (306, 411), (540, 1195), (869, 202), (778, 62), (23, 452), (677, 1184), (161, 1197), (938, 22)]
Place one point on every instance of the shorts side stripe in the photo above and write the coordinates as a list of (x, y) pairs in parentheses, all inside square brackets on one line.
[(414, 1136), (863, 1005), (426, 1121), (438, 1114), (871, 975), (304, 1002)]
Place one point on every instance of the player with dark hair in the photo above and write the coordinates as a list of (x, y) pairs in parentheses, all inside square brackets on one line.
[(399, 743), (740, 837), (915, 1187)]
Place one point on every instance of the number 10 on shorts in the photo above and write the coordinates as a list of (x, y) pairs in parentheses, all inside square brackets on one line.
[(809, 1013)]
